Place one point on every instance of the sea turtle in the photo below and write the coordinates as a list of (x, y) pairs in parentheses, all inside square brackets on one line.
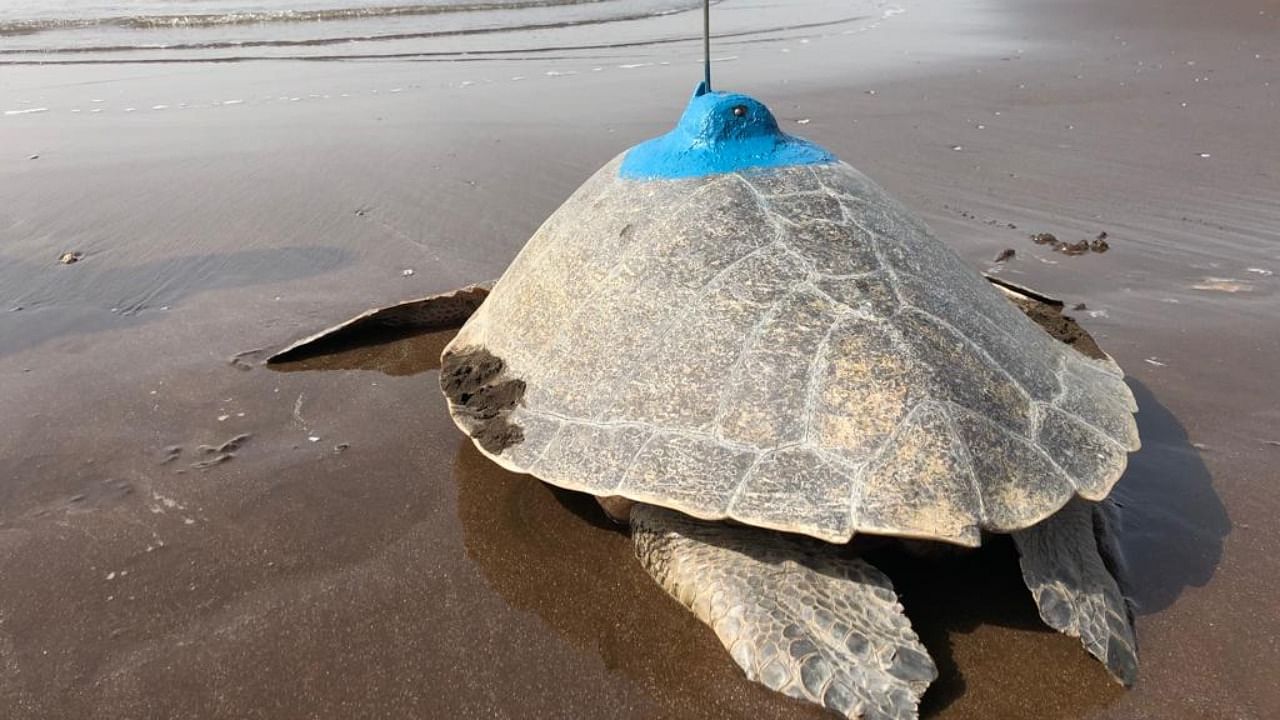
[(750, 353)]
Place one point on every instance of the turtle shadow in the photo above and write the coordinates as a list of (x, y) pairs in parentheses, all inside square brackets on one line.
[(588, 510), (950, 594), (1173, 524)]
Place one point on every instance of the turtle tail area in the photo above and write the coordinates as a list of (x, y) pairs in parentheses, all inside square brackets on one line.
[(800, 617), (1064, 564)]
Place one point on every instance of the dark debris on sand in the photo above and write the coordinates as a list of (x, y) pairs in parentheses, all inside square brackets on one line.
[(1098, 244), (1062, 327)]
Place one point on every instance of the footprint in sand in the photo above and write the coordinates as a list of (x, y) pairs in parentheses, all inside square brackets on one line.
[(208, 455), (218, 454), (95, 497)]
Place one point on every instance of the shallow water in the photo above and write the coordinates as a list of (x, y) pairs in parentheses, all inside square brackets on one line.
[(226, 30)]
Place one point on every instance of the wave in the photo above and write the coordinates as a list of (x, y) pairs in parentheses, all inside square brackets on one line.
[(547, 52), (422, 35), (159, 22)]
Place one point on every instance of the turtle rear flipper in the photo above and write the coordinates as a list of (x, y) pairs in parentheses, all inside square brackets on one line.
[(798, 616), (1064, 564)]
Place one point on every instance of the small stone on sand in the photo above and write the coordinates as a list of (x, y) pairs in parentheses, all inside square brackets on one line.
[(70, 257)]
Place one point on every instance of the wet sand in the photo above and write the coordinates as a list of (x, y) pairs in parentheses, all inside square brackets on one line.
[(385, 569)]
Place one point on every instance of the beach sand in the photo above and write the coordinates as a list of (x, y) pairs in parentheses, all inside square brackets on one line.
[(186, 533)]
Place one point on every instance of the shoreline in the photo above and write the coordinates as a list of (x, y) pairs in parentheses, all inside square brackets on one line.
[(385, 567)]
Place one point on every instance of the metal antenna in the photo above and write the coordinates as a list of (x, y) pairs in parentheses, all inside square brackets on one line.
[(706, 44)]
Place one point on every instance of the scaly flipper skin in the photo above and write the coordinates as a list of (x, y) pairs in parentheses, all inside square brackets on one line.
[(1063, 565), (800, 617)]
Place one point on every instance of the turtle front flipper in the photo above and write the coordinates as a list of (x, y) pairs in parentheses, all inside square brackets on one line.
[(801, 617), (1064, 562), (443, 311)]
